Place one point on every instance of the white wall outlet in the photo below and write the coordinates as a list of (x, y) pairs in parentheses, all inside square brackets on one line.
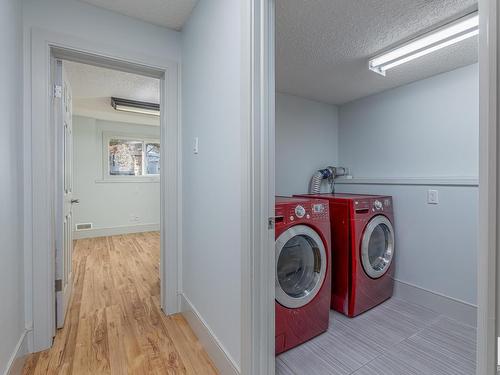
[(195, 145), (433, 197)]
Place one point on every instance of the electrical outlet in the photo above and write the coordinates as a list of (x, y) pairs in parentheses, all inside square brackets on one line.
[(432, 197)]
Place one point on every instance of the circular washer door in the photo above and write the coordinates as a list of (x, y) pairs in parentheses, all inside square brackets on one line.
[(377, 246), (300, 266)]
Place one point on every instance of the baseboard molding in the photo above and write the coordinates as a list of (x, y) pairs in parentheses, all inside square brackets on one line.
[(454, 308), (18, 357), (114, 231), (219, 355)]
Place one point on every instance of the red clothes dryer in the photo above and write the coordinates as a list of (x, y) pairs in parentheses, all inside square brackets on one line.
[(362, 251), (303, 270)]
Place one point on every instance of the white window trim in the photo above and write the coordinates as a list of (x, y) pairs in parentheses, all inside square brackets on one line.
[(106, 176)]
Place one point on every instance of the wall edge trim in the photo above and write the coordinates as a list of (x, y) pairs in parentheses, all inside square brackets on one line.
[(217, 352), (459, 310), (18, 357), (114, 231), (464, 181)]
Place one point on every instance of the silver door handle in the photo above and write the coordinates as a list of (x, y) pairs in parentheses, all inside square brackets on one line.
[(73, 201)]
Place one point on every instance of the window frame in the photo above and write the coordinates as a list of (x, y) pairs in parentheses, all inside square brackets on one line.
[(106, 170)]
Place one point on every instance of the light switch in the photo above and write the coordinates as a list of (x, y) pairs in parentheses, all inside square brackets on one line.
[(432, 197), (195, 145)]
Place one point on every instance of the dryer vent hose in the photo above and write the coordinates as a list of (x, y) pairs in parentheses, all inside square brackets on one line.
[(316, 183), (318, 177)]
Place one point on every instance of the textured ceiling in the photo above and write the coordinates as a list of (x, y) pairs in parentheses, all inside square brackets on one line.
[(323, 46), (167, 13), (93, 88)]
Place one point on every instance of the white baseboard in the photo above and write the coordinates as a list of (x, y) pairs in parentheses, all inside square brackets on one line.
[(219, 355), (114, 231), (454, 308), (18, 357)]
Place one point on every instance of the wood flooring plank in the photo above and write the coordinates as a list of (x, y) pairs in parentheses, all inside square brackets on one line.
[(115, 324)]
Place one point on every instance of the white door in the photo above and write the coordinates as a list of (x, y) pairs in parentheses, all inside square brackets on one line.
[(64, 242)]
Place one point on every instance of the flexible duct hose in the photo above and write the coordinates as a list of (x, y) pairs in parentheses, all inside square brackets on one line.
[(330, 173), (316, 179)]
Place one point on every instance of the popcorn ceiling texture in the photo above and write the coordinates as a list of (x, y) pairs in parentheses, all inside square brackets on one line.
[(167, 13), (323, 46)]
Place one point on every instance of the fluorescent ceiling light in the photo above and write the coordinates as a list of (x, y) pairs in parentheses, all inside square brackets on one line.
[(134, 106), (444, 36)]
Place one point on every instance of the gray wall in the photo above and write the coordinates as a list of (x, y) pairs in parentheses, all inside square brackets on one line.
[(73, 17), (211, 236), (306, 140), (109, 204), (11, 190), (424, 129), (427, 129), (436, 245)]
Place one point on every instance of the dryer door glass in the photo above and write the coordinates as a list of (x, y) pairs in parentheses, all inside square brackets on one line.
[(377, 247), (300, 266)]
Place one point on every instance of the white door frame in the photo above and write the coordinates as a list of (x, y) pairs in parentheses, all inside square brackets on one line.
[(39, 135), (258, 188), (489, 189), (258, 262)]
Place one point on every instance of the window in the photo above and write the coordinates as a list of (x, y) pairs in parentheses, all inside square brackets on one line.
[(133, 157), (152, 158)]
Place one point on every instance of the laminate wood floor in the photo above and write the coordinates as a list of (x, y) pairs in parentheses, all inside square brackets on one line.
[(114, 323), (395, 338)]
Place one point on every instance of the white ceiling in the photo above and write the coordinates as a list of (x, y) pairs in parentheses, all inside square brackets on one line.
[(93, 88), (323, 46), (167, 13)]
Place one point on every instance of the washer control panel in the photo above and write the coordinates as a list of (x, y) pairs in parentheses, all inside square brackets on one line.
[(302, 211), (313, 211)]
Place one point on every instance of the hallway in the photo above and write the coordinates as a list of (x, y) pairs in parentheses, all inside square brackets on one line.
[(114, 323)]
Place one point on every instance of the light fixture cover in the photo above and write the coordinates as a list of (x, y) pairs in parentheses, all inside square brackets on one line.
[(451, 33), (135, 106)]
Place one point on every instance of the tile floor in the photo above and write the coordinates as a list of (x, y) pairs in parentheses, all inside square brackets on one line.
[(395, 338)]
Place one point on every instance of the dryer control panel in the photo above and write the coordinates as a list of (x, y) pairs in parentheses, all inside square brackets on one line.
[(370, 205)]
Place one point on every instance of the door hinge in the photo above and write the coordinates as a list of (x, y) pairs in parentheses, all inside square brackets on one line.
[(57, 91), (58, 285)]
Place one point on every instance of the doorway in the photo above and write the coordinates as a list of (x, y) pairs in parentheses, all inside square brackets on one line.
[(289, 181), (108, 184), (47, 48)]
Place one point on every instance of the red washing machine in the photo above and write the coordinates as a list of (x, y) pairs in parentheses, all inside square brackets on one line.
[(362, 251), (303, 271)]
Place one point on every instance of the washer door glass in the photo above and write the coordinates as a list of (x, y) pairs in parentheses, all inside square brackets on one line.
[(377, 247), (300, 266)]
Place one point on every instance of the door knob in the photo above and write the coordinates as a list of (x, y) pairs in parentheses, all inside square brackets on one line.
[(73, 201)]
